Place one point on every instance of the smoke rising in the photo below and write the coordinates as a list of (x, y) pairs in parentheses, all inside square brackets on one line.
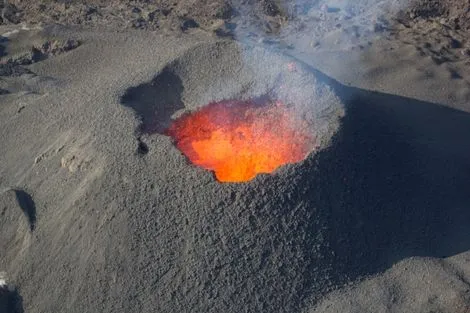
[(285, 24)]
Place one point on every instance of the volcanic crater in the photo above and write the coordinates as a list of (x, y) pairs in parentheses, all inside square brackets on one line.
[(269, 225), (237, 110)]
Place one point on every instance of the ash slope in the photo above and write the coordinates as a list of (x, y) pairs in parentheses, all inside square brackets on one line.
[(116, 230), (119, 230), (413, 285)]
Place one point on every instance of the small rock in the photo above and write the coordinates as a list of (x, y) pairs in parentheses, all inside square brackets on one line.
[(10, 14), (139, 23), (152, 16), (38, 159), (465, 52), (455, 44), (166, 12), (315, 44), (136, 10), (89, 10), (189, 23)]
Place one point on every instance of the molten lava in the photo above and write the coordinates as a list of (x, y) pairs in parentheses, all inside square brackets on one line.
[(239, 139)]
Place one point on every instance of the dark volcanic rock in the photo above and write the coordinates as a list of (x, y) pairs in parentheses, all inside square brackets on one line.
[(9, 13), (189, 23), (455, 13), (55, 47)]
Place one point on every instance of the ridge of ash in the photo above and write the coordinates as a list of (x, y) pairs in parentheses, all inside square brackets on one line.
[(12, 65)]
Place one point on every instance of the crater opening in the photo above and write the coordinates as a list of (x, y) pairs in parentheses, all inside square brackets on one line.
[(236, 110), (239, 139)]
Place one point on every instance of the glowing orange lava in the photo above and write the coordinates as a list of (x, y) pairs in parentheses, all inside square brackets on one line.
[(240, 139)]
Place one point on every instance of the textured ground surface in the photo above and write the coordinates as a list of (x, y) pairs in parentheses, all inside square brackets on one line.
[(106, 218)]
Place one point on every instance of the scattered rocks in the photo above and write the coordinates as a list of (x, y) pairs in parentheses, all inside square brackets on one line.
[(58, 46), (270, 7), (454, 14), (26, 58), (427, 8), (9, 13), (12, 70), (119, 14)]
